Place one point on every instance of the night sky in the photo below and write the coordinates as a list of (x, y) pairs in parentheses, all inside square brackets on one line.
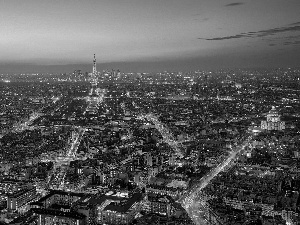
[(148, 35)]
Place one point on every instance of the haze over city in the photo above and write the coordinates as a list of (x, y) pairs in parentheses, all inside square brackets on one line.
[(148, 35)]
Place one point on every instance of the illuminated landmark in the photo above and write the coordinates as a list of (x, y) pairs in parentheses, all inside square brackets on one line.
[(94, 77), (273, 121), (96, 94)]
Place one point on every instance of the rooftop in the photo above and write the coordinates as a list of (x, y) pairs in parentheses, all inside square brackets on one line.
[(53, 192), (19, 193), (124, 206), (73, 215)]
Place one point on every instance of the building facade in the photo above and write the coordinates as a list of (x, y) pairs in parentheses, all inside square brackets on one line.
[(273, 121), (17, 200)]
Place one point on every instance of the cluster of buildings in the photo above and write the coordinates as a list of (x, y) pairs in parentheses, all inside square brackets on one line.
[(126, 171)]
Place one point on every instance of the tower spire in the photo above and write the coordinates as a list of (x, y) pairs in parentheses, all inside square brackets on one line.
[(94, 66)]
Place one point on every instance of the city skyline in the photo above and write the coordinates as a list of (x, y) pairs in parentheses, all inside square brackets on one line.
[(137, 36)]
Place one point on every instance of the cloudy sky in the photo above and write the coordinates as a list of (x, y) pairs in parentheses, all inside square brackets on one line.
[(137, 35)]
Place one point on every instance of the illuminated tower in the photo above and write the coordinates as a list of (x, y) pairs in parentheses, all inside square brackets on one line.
[(93, 77), (94, 74), (94, 66)]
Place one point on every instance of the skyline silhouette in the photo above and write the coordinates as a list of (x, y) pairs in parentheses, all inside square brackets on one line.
[(132, 35)]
